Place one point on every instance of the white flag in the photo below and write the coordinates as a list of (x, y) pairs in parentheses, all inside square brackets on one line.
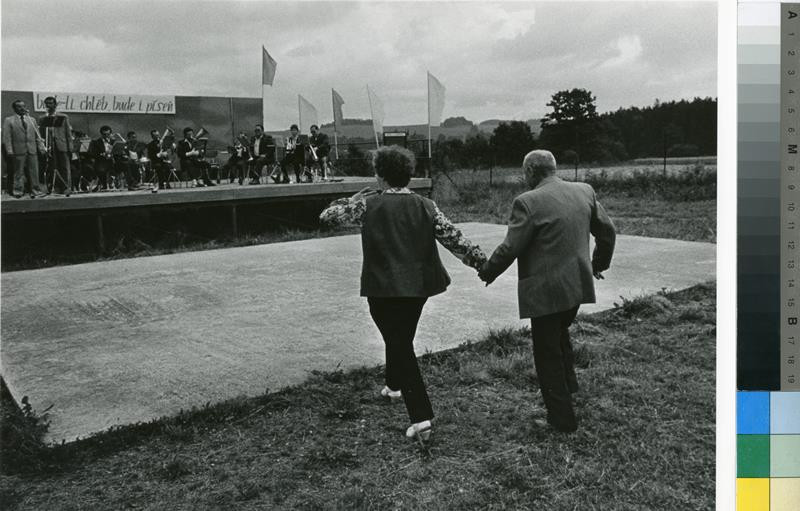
[(338, 117), (376, 108), (308, 114), (268, 67), (435, 100)]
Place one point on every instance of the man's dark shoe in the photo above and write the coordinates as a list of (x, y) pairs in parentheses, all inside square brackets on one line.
[(546, 424)]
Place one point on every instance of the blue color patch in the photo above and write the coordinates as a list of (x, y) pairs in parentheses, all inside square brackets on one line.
[(752, 413)]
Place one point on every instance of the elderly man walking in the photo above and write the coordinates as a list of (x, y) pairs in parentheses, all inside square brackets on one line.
[(548, 235), (22, 143)]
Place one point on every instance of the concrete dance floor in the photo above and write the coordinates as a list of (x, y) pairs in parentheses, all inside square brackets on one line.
[(124, 341)]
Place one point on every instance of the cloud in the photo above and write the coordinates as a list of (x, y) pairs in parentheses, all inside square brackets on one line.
[(497, 60), (629, 49)]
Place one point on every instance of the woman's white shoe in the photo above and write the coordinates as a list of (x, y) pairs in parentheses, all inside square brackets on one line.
[(391, 394), (421, 431)]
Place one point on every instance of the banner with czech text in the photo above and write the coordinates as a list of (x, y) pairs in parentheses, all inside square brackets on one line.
[(101, 103)]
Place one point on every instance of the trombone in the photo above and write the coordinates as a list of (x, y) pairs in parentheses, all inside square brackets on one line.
[(168, 132)]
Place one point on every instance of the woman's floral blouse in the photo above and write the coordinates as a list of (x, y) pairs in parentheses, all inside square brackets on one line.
[(348, 210)]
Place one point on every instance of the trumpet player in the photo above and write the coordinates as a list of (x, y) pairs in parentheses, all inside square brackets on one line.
[(127, 162), (22, 143), (158, 153), (60, 149), (320, 149), (191, 161), (239, 160), (294, 156), (101, 152), (262, 151)]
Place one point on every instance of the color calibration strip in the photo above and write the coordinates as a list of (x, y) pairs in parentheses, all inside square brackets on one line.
[(759, 174), (768, 401), (767, 451), (790, 196)]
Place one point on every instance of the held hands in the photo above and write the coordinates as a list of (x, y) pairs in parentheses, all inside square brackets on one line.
[(598, 275), (483, 274)]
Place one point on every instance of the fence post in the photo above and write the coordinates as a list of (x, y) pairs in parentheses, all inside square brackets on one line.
[(101, 240), (234, 222)]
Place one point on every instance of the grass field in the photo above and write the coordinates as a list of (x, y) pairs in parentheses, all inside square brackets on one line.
[(640, 199), (646, 440)]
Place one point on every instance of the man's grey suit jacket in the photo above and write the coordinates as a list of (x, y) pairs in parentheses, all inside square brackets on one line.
[(548, 235)]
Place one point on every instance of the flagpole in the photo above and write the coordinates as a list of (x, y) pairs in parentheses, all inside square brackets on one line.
[(335, 127), (430, 141), (372, 112)]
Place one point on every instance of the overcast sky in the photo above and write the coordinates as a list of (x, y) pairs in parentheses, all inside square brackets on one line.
[(497, 60)]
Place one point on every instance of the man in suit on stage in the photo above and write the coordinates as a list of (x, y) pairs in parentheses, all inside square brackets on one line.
[(548, 235), (319, 141), (262, 149), (62, 144), (101, 152), (294, 156), (158, 156), (127, 162), (22, 143), (189, 150)]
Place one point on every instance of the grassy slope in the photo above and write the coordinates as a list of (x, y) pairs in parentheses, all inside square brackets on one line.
[(646, 439), (640, 202)]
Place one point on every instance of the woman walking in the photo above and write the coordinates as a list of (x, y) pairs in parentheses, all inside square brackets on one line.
[(401, 269)]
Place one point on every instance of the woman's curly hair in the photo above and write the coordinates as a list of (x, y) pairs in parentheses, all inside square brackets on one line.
[(394, 164)]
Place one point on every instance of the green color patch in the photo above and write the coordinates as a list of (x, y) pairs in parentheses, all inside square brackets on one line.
[(752, 455)]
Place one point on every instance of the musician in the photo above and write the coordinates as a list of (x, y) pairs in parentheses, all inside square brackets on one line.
[(319, 141), (101, 152), (76, 166), (127, 162), (294, 156), (239, 160), (262, 149), (22, 142), (189, 153), (158, 156), (61, 143)]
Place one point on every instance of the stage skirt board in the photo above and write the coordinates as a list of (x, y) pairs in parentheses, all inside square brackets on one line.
[(179, 196), (130, 340)]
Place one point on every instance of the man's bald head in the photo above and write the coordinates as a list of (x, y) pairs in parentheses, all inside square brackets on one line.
[(538, 165)]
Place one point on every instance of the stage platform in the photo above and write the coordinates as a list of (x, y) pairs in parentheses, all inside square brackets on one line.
[(129, 340), (222, 194)]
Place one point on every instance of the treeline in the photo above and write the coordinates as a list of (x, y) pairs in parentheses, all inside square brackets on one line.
[(576, 133), (573, 131), (684, 128)]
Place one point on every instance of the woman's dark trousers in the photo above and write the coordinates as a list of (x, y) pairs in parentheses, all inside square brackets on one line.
[(397, 319)]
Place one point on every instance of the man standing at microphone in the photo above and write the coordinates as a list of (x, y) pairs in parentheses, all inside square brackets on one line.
[(61, 145)]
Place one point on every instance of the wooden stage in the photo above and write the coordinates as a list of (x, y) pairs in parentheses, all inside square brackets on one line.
[(111, 204), (222, 194)]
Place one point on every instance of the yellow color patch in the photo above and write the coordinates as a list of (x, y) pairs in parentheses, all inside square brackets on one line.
[(752, 494)]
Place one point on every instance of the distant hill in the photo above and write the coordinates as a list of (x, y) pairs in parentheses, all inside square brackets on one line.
[(490, 125), (362, 129)]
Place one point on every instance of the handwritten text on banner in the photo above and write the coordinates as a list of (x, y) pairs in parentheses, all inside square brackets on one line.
[(107, 103)]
